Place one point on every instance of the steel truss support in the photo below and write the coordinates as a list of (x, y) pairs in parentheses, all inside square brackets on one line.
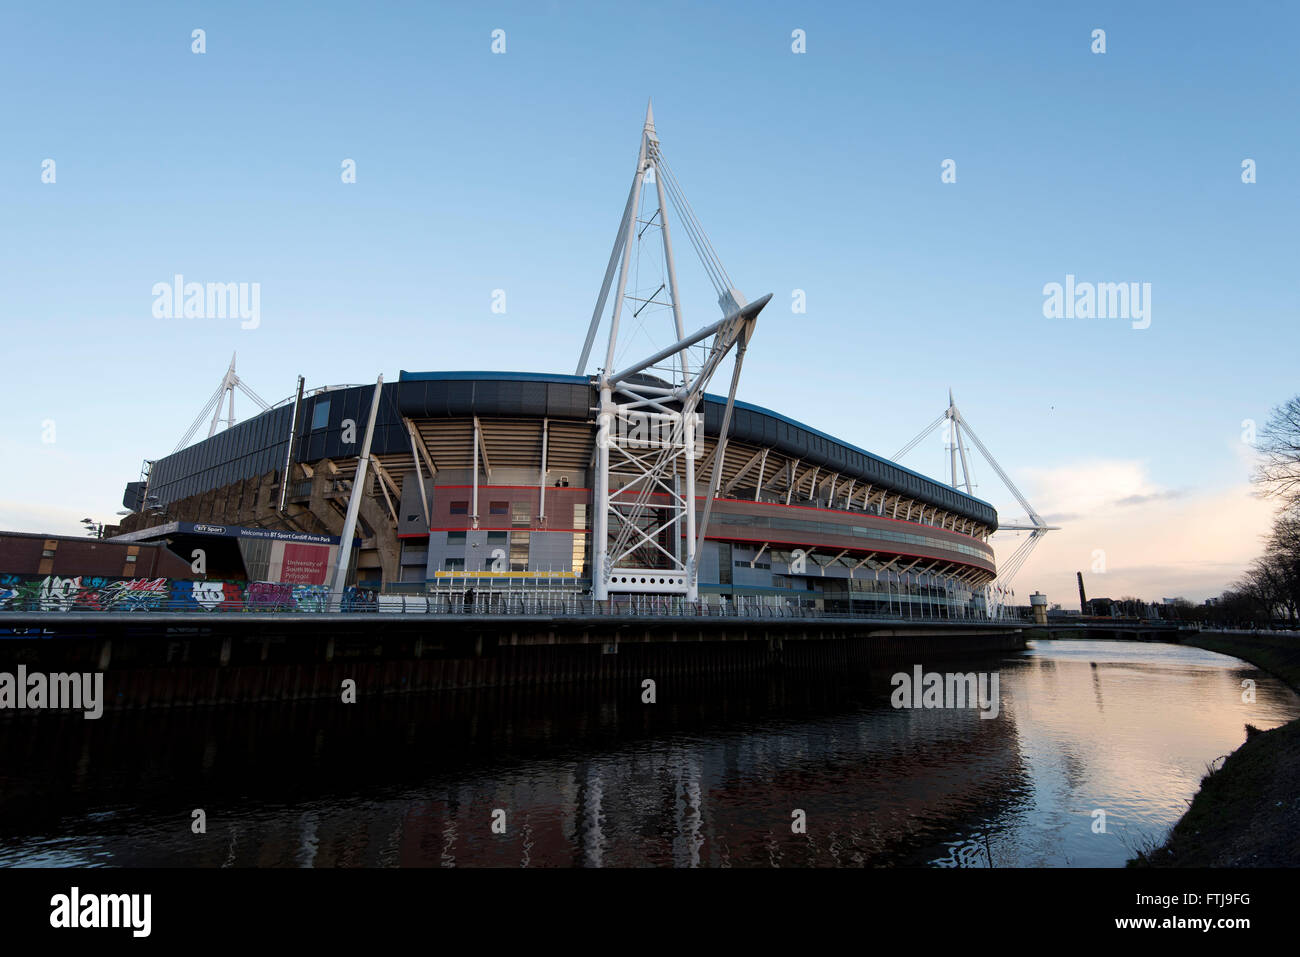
[(650, 428)]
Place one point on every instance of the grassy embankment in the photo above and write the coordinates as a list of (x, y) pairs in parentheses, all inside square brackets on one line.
[(1247, 812)]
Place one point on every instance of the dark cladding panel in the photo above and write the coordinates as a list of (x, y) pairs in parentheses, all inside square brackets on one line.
[(487, 398), (532, 399), (312, 446), (486, 395), (229, 456), (835, 457), (570, 401), (411, 396), (743, 423), (460, 397), (134, 497), (351, 404)]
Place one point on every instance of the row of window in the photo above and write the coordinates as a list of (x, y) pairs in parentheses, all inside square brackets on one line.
[(517, 543), (521, 513)]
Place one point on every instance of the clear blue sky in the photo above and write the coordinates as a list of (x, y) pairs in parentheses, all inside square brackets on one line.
[(818, 171)]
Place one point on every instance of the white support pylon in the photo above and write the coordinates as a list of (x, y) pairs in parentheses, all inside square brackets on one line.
[(999, 586), (229, 383), (650, 430)]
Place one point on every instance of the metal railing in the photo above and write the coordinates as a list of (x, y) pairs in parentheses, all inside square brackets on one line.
[(487, 604)]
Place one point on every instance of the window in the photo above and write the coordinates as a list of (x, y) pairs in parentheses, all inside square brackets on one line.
[(580, 516), (498, 508), (320, 415), (453, 565), (497, 539), (460, 508), (455, 538), (47, 553), (521, 514), (580, 553), (519, 551), (131, 558)]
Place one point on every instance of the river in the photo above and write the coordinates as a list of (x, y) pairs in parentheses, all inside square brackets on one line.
[(712, 776)]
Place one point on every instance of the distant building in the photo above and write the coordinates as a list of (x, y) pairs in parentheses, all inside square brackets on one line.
[(24, 553), (1102, 607)]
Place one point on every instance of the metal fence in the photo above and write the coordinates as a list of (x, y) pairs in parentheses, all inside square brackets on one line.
[(488, 603)]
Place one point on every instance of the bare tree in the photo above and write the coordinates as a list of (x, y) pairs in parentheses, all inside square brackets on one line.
[(1270, 587), (1278, 443)]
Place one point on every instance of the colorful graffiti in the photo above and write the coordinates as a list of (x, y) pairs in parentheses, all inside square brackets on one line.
[(282, 596), (96, 593)]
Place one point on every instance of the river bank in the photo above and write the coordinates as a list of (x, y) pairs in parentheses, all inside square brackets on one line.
[(1247, 812)]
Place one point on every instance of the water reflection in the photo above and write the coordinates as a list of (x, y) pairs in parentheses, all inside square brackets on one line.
[(709, 776)]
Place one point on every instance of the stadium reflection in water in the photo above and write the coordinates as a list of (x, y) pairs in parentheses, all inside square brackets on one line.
[(707, 776)]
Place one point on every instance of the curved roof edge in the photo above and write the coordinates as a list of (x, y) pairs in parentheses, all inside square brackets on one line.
[(462, 376)]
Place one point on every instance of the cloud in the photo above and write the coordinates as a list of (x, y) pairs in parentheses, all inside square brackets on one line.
[(1191, 543), (1153, 497)]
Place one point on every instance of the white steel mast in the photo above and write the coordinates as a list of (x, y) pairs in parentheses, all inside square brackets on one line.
[(1036, 526), (229, 383), (650, 427)]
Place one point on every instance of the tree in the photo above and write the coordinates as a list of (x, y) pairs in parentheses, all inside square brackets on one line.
[(1278, 443), (1282, 560), (1270, 587)]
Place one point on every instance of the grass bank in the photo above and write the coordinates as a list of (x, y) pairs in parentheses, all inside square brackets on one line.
[(1247, 812)]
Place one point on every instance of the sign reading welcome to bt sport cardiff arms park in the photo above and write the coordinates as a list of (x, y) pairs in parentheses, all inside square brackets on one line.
[(230, 531), (275, 535)]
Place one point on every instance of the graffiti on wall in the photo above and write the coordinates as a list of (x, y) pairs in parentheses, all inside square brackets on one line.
[(282, 596), (98, 593)]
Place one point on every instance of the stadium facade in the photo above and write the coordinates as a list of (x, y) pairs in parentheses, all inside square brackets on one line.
[(799, 516)]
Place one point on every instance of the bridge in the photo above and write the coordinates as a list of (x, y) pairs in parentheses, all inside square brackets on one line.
[(1119, 630)]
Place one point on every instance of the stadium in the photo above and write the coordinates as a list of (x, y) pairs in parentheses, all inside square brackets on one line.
[(869, 532), (634, 483)]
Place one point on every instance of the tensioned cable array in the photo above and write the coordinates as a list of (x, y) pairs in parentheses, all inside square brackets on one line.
[(694, 231), (229, 382)]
